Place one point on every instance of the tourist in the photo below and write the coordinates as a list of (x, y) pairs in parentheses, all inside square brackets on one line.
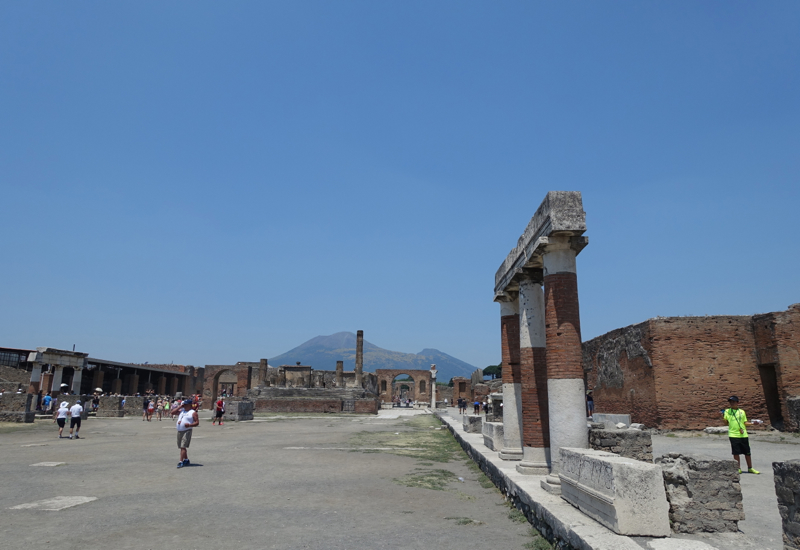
[(46, 403), (60, 416), (75, 419), (159, 408), (187, 419), (166, 405), (151, 407), (737, 433), (476, 407), (145, 406), (589, 404), (219, 410)]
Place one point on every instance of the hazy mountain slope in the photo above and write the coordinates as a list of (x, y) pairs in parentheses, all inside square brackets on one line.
[(322, 352)]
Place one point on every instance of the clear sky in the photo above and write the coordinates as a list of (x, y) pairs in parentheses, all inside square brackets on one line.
[(211, 182)]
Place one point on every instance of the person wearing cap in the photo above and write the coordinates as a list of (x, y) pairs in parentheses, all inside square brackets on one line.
[(75, 412), (60, 416), (737, 433), (187, 419)]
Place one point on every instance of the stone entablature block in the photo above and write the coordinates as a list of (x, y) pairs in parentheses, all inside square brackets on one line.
[(561, 212), (625, 495), (629, 443)]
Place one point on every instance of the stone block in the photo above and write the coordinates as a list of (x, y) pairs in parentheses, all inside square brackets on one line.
[(238, 410), (493, 435), (787, 489), (716, 430), (473, 424), (703, 492), (110, 407), (133, 406), (625, 495), (612, 419), (629, 443)]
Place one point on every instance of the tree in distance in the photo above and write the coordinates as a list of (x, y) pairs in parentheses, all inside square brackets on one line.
[(495, 371)]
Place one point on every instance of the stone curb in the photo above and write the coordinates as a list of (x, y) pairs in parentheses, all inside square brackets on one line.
[(557, 520)]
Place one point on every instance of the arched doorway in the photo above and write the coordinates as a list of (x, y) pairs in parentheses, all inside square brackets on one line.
[(225, 385)]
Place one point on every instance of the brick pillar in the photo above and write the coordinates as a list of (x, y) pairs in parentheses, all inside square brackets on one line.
[(339, 374), (565, 387), (162, 385), (47, 381), (97, 379), (116, 386), (36, 377), (173, 385), (132, 384), (512, 390), (533, 377), (262, 373), (188, 382), (359, 357)]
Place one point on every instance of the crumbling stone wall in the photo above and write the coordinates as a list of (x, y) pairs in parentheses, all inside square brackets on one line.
[(110, 406), (629, 443), (704, 493), (17, 407), (12, 378), (787, 489), (778, 349)]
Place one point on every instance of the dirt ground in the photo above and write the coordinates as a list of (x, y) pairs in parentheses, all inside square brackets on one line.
[(291, 481)]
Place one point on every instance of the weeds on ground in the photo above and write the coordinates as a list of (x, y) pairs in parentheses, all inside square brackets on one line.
[(466, 521), (427, 479), (516, 516), (538, 542), (415, 439)]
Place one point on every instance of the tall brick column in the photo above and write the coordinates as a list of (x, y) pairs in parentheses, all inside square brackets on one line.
[(359, 358), (565, 387), (97, 379), (512, 390), (533, 376)]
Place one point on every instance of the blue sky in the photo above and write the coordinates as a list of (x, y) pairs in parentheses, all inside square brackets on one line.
[(213, 182)]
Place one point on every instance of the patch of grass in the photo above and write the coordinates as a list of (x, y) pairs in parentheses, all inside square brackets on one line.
[(424, 463), (538, 542), (466, 521), (436, 480), (516, 516), (407, 512), (415, 439), (670, 435), (464, 496)]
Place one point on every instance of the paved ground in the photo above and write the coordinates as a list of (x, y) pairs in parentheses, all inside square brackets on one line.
[(762, 521), (295, 482)]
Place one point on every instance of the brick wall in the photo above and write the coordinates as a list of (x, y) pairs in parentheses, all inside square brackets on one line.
[(562, 326), (535, 422), (620, 373), (313, 405), (787, 344), (701, 361)]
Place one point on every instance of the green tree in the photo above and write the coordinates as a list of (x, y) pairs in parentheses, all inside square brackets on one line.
[(494, 371)]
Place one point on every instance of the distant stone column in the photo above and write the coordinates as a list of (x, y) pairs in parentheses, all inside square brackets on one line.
[(512, 390), (434, 372), (97, 379), (565, 387), (58, 371), (533, 375), (36, 377), (359, 358), (77, 378), (339, 374)]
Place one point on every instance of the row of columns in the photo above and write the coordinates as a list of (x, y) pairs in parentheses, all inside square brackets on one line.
[(543, 388), (52, 382)]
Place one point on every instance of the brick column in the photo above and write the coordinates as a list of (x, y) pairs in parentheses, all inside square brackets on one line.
[(116, 386), (173, 385), (162, 385), (512, 390), (533, 377), (565, 387), (359, 358)]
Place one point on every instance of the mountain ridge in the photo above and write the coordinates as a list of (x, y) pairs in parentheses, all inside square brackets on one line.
[(322, 352)]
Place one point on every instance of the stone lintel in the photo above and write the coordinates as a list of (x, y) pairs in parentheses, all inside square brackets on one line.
[(561, 213)]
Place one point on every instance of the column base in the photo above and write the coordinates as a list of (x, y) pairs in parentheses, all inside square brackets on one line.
[(511, 454), (533, 468), (552, 484)]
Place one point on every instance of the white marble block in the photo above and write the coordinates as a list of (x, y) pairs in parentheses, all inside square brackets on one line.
[(624, 494)]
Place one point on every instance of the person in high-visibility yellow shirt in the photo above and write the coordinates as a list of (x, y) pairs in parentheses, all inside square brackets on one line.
[(737, 433)]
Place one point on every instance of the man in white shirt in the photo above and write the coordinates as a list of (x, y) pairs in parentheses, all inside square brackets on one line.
[(75, 412), (187, 419)]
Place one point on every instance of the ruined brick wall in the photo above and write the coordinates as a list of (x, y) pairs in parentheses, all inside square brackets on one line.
[(245, 373), (619, 370), (701, 361), (462, 388), (12, 377), (298, 405), (370, 406)]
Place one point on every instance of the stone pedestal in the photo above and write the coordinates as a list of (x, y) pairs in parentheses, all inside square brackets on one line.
[(625, 495), (473, 424), (238, 410)]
